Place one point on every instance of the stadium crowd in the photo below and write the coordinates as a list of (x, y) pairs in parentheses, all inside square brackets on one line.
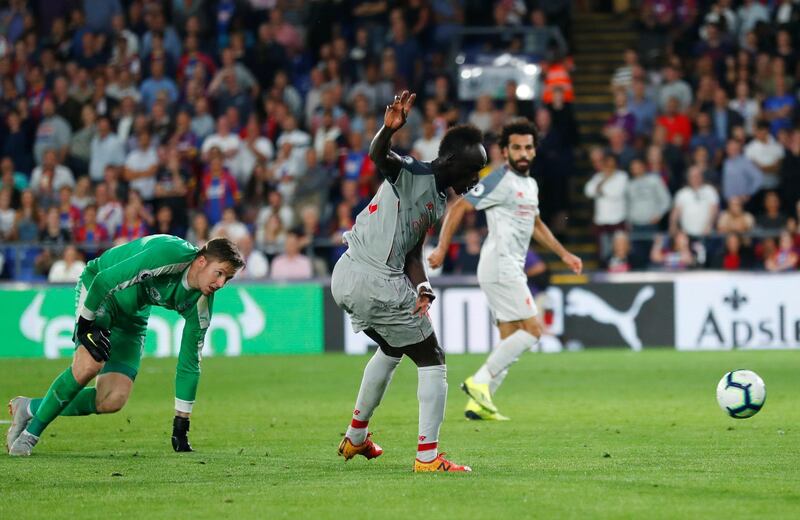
[(248, 119), (701, 167), (251, 119)]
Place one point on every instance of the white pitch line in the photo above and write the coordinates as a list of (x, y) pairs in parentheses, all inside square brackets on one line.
[(5, 422)]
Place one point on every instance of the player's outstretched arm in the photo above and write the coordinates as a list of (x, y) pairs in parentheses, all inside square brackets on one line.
[(187, 373), (543, 235), (388, 162), (452, 220), (415, 270)]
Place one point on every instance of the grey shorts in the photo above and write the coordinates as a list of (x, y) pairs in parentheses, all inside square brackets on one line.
[(509, 300), (376, 301)]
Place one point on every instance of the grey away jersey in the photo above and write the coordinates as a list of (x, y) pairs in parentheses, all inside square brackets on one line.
[(395, 220), (511, 203)]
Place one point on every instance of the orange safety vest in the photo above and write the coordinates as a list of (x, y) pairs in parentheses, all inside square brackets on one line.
[(556, 75)]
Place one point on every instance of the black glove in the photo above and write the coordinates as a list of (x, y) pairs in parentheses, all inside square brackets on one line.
[(180, 439), (94, 339)]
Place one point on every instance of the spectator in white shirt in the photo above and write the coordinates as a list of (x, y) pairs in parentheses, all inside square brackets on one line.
[(275, 205), (608, 187), (255, 149), (106, 149), (68, 269), (766, 153), (327, 131), (426, 148), (228, 143), (141, 166), (50, 176), (746, 106), (229, 227), (299, 142), (256, 264), (483, 114), (696, 206)]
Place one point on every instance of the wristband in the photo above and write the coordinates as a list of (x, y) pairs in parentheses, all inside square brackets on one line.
[(425, 289)]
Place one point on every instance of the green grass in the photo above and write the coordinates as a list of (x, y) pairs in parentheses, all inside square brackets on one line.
[(594, 434)]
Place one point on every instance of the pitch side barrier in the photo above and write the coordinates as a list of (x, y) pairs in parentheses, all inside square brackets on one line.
[(688, 311)]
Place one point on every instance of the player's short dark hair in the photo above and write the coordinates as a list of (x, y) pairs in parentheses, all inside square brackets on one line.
[(222, 250), (458, 138), (519, 126)]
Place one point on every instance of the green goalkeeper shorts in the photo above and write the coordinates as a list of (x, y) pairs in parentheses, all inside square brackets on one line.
[(128, 325)]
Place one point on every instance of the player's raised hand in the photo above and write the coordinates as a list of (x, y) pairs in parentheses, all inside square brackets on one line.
[(436, 258), (573, 262), (397, 111)]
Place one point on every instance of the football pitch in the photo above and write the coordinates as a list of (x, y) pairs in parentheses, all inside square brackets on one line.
[(604, 433)]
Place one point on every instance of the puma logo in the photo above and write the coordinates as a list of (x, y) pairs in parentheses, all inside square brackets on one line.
[(581, 302), (61, 402)]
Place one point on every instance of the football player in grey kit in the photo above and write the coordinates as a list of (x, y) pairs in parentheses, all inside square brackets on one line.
[(510, 198), (381, 283)]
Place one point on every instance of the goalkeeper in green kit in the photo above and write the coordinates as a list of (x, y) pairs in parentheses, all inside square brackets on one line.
[(113, 299)]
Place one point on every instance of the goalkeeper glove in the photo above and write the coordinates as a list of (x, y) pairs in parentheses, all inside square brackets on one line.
[(94, 339)]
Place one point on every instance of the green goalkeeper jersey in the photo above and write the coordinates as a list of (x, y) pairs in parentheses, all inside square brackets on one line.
[(156, 264), (127, 280)]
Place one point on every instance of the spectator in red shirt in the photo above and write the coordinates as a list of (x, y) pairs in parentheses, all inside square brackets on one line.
[(218, 189), (193, 58), (69, 215), (133, 226), (676, 123), (91, 232)]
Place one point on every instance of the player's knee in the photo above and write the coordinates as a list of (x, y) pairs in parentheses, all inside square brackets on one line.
[(427, 353), (83, 371), (532, 327)]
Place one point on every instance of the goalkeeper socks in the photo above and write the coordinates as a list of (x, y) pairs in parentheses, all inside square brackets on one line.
[(377, 375), (432, 395), (504, 355), (61, 393), (85, 403)]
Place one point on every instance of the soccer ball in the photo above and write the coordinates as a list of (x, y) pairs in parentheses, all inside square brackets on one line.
[(741, 393)]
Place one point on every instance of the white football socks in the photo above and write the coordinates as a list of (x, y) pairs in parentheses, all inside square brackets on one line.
[(432, 395), (496, 381), (503, 356), (377, 375)]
